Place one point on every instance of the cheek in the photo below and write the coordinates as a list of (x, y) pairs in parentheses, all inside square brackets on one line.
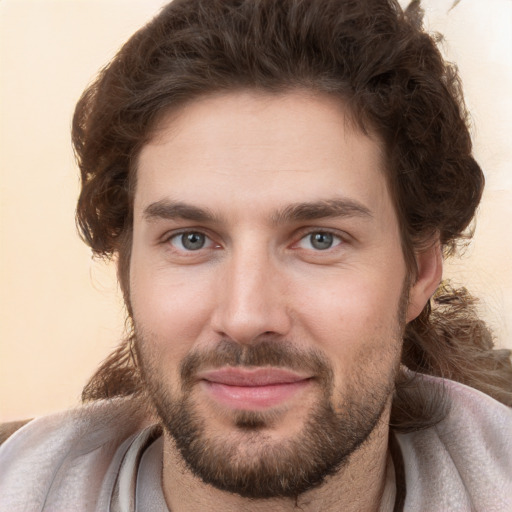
[(351, 303), (170, 307), (354, 322)]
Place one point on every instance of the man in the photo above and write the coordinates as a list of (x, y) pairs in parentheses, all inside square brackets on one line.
[(278, 180)]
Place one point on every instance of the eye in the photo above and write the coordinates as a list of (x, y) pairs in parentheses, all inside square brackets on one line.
[(190, 241), (319, 241)]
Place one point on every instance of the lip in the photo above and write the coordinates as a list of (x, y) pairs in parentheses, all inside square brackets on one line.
[(252, 389), (235, 376)]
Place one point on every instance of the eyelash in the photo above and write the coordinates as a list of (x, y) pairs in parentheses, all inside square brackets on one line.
[(303, 235), (167, 240), (334, 234)]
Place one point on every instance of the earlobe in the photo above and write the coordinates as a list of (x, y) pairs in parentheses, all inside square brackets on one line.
[(430, 271)]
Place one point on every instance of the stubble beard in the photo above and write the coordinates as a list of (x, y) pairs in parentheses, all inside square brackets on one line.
[(246, 460)]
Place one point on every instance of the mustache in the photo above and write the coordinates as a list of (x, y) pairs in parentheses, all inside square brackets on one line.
[(283, 354)]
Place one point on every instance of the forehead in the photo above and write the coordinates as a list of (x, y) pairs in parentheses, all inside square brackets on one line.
[(265, 150)]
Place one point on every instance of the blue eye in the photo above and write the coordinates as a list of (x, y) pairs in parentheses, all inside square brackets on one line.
[(189, 241), (319, 241)]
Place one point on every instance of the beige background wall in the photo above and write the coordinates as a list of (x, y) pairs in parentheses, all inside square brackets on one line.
[(60, 312)]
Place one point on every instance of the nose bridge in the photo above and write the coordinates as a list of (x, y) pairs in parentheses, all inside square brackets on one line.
[(251, 302)]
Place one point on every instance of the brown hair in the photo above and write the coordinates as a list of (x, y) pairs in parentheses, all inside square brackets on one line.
[(369, 53)]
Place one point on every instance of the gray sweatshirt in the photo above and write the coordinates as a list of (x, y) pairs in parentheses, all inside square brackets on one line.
[(107, 456)]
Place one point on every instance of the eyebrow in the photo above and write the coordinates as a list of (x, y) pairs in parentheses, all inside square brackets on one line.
[(296, 212), (169, 210), (339, 207)]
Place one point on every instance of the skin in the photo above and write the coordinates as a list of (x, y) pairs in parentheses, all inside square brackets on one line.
[(247, 158)]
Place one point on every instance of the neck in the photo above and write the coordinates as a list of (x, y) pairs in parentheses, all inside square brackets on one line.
[(358, 485)]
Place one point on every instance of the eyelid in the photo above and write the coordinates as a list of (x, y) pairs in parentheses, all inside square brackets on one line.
[(300, 234), (169, 235), (305, 232), (180, 231)]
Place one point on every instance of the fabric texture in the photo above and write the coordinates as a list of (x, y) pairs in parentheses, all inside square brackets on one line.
[(107, 456)]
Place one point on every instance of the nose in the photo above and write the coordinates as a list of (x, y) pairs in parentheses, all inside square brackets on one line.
[(251, 302)]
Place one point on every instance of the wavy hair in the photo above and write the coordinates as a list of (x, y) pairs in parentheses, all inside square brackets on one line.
[(390, 75)]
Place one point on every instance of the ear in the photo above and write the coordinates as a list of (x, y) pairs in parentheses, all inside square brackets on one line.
[(429, 263)]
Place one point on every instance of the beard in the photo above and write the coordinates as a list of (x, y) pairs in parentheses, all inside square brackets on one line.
[(245, 460)]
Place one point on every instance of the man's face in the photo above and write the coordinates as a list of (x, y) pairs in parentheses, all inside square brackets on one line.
[(268, 288)]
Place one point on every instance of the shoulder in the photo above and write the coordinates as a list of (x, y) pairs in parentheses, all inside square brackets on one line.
[(465, 461), (8, 429), (68, 458)]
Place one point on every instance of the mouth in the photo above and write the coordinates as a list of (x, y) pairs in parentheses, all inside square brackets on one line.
[(252, 389)]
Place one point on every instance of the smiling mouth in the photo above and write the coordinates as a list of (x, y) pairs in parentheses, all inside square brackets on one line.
[(254, 389)]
